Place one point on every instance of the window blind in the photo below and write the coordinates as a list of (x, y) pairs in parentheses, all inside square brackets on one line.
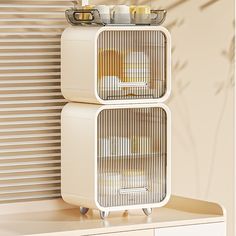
[(30, 98)]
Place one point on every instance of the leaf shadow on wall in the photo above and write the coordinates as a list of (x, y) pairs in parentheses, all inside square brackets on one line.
[(222, 89)]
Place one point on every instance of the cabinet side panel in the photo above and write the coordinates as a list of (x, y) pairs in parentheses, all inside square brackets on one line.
[(77, 69), (78, 166)]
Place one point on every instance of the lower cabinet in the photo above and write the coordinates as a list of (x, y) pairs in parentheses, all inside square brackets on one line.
[(149, 232), (208, 229), (213, 229)]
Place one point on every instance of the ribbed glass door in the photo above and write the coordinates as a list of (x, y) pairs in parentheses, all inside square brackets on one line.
[(132, 156), (132, 64)]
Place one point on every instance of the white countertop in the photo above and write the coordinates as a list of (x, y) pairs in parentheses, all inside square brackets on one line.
[(46, 217)]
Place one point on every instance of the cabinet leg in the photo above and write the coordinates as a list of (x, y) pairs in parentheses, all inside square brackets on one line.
[(104, 214), (83, 210), (147, 211)]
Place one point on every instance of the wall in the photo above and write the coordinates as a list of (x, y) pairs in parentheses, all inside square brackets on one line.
[(202, 101)]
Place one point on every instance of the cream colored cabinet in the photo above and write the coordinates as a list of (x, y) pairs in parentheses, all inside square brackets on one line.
[(149, 232), (127, 163), (216, 229)]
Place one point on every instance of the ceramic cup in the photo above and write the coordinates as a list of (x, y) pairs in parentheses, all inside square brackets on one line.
[(120, 146), (123, 146), (131, 9), (141, 14), (104, 147), (104, 12), (120, 14), (141, 145)]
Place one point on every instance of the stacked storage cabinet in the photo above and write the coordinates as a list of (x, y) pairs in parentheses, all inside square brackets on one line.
[(116, 131)]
